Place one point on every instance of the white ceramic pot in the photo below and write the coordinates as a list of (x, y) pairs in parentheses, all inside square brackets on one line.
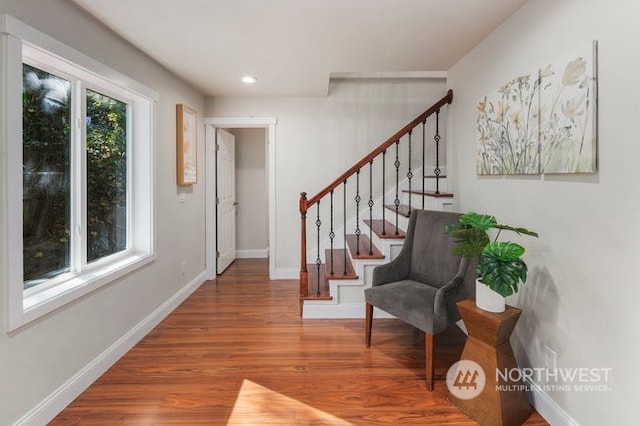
[(488, 299)]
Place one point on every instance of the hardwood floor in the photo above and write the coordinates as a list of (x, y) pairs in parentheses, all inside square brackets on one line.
[(236, 352)]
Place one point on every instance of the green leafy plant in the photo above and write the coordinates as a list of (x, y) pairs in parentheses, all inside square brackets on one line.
[(500, 265)]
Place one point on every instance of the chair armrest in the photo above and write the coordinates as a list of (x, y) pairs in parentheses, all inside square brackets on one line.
[(396, 270), (439, 305)]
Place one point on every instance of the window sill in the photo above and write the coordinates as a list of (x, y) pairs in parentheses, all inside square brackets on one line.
[(40, 303)]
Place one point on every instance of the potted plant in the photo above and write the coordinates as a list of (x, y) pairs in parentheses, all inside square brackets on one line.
[(500, 267)]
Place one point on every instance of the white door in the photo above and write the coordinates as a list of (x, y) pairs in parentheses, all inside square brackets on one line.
[(226, 211)]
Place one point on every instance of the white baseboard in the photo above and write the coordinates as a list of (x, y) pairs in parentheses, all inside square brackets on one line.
[(252, 254), (286, 274), (53, 404), (548, 408)]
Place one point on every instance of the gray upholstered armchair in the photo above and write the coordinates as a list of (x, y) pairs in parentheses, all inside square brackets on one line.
[(422, 284)]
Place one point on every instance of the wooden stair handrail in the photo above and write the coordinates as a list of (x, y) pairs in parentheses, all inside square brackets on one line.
[(306, 203)]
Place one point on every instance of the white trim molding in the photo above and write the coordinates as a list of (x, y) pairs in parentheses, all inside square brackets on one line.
[(285, 274), (212, 123), (547, 407), (252, 254)]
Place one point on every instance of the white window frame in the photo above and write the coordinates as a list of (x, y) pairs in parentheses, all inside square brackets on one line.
[(20, 42)]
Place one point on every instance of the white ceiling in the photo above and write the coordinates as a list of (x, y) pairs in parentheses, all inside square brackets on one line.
[(293, 46)]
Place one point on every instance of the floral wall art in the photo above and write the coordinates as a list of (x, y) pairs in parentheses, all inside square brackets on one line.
[(543, 121), (508, 128)]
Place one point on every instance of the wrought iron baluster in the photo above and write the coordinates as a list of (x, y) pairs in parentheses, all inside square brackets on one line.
[(436, 138), (384, 173), (409, 172), (357, 200), (424, 126), (318, 260), (332, 234), (371, 207), (344, 227), (396, 202)]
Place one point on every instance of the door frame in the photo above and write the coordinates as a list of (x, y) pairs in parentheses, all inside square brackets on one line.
[(211, 125)]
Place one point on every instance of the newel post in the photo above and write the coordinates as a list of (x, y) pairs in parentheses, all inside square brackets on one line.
[(304, 280)]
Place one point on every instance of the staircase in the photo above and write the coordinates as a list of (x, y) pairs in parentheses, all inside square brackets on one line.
[(357, 222)]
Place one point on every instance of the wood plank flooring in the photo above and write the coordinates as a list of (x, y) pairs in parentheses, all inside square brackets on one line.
[(236, 352)]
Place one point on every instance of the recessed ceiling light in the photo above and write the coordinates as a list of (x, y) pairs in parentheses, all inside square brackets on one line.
[(249, 79)]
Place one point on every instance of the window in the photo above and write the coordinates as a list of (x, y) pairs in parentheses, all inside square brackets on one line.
[(46, 179), (49, 247), (106, 175), (82, 151)]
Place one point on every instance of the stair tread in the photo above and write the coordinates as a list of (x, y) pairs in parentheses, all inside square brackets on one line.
[(403, 209), (363, 243), (434, 194), (323, 285), (339, 270), (377, 225)]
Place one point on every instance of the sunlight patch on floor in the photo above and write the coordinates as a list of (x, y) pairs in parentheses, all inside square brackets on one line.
[(259, 405)]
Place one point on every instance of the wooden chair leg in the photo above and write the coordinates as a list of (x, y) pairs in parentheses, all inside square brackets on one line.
[(368, 320), (428, 352)]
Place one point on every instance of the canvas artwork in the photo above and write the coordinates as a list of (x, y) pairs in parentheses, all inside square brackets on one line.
[(568, 113), (508, 128), (543, 121), (187, 139)]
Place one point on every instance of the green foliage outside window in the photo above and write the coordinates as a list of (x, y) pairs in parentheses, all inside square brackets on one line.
[(106, 175), (47, 184), (46, 174)]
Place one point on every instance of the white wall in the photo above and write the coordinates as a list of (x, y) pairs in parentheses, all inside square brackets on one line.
[(582, 294), (319, 138), (252, 192), (42, 356)]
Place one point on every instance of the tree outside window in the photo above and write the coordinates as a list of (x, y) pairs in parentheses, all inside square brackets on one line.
[(48, 197), (46, 174), (106, 176)]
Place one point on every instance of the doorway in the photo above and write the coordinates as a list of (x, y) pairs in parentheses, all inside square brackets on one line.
[(211, 126)]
